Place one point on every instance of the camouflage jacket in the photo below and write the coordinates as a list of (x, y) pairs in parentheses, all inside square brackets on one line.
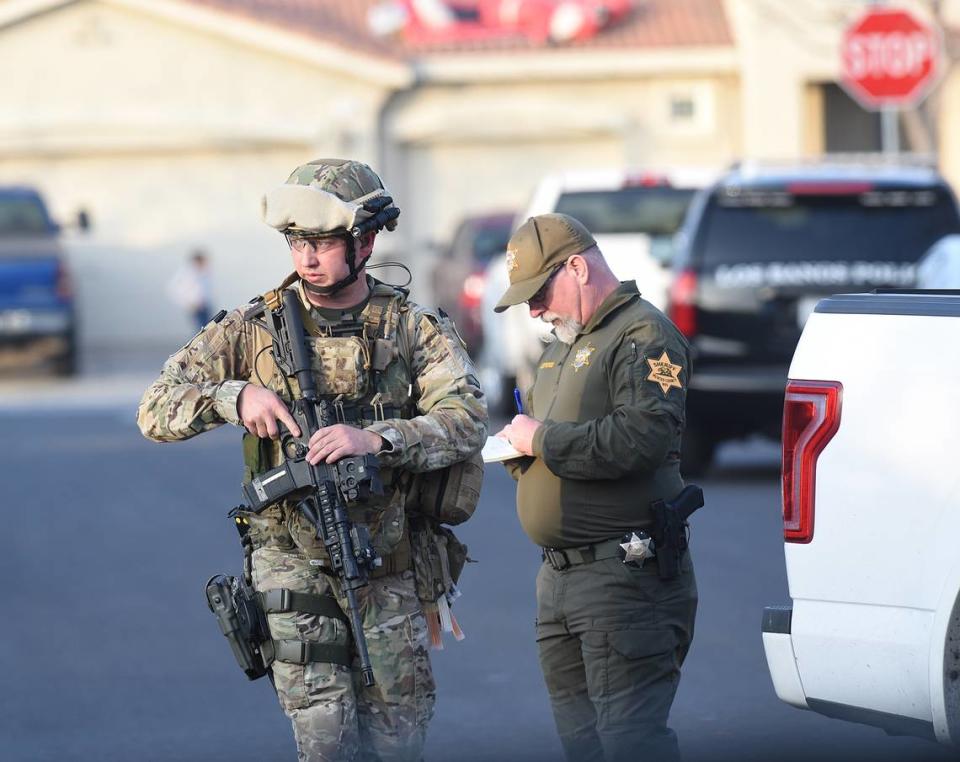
[(433, 376)]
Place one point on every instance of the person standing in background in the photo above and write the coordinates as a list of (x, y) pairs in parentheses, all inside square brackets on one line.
[(190, 287)]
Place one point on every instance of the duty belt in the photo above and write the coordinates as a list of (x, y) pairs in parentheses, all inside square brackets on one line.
[(400, 560), (564, 558), (358, 414)]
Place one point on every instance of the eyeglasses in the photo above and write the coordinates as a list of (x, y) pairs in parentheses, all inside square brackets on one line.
[(539, 298), (316, 244)]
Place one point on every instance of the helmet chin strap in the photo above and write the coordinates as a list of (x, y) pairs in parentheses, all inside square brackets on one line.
[(341, 284)]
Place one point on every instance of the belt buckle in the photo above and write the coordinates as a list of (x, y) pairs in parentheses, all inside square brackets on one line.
[(552, 554)]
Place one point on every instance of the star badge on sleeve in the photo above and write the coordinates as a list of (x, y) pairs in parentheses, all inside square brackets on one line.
[(637, 548), (664, 373)]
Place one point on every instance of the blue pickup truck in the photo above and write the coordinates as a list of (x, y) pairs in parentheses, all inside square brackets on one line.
[(37, 317)]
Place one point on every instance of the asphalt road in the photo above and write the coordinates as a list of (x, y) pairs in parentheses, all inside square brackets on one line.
[(107, 650)]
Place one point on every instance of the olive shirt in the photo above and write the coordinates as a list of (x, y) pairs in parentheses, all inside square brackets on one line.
[(612, 406)]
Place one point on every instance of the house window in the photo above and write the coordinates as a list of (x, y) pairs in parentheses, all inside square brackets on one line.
[(682, 109), (688, 108)]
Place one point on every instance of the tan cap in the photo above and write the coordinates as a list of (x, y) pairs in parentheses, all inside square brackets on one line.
[(539, 246)]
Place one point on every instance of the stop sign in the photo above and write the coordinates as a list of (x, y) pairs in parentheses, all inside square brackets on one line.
[(890, 58)]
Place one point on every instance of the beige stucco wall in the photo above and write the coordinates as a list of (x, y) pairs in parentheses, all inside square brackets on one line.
[(782, 48), (168, 123), (168, 127), (463, 148), (949, 127), (168, 134)]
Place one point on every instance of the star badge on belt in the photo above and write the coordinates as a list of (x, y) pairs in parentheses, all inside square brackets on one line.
[(664, 373), (637, 548), (582, 357)]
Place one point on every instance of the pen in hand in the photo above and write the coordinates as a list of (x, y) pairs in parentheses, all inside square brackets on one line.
[(518, 401)]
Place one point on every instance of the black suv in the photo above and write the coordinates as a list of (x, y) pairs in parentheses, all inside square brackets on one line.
[(756, 253)]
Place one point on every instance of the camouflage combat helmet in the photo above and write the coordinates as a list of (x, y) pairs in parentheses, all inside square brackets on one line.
[(347, 179), (331, 197)]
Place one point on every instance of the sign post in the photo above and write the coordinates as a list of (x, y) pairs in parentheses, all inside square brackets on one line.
[(890, 60)]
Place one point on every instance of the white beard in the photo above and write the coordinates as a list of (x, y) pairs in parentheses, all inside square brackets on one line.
[(565, 329)]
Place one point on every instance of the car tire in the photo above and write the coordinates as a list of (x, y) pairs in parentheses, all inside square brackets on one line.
[(697, 449), (66, 364)]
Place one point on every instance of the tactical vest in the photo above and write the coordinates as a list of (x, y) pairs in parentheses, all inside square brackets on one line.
[(361, 371), (349, 358)]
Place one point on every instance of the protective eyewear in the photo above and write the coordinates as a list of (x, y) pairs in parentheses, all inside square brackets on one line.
[(539, 298), (316, 244)]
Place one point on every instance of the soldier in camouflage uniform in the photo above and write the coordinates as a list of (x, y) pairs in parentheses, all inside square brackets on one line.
[(418, 408)]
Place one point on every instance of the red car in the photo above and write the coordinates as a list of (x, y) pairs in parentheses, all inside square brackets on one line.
[(459, 277)]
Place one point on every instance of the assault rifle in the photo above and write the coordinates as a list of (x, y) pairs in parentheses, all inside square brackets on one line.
[(670, 525), (328, 486)]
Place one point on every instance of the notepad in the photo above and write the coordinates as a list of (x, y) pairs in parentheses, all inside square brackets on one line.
[(498, 449)]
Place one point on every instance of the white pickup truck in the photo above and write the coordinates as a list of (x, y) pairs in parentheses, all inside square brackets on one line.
[(871, 502)]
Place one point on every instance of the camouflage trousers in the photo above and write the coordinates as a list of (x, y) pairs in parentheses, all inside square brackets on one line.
[(334, 716)]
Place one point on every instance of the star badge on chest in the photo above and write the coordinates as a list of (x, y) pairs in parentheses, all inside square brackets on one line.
[(636, 548), (582, 358)]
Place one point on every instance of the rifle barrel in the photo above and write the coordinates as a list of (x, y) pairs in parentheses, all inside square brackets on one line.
[(333, 526)]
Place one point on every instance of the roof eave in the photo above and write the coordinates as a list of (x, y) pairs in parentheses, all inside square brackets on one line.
[(345, 59), (578, 64), (383, 70)]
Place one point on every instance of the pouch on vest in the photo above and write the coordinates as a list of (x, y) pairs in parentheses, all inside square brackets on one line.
[(341, 365), (450, 495), (438, 561)]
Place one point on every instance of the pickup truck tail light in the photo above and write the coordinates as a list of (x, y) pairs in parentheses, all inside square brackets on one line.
[(811, 416), (682, 309)]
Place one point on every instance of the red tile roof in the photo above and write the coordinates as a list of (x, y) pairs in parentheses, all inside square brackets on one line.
[(651, 24)]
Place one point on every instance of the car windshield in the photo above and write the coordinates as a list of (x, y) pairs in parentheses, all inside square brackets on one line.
[(490, 241), (23, 216), (776, 226), (656, 211)]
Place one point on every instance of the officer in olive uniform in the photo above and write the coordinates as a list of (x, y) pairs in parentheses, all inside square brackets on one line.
[(404, 389), (602, 432)]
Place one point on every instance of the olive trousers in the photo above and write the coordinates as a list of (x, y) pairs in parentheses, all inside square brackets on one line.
[(611, 639)]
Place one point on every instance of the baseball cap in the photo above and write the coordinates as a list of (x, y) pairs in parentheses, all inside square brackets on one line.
[(536, 249)]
